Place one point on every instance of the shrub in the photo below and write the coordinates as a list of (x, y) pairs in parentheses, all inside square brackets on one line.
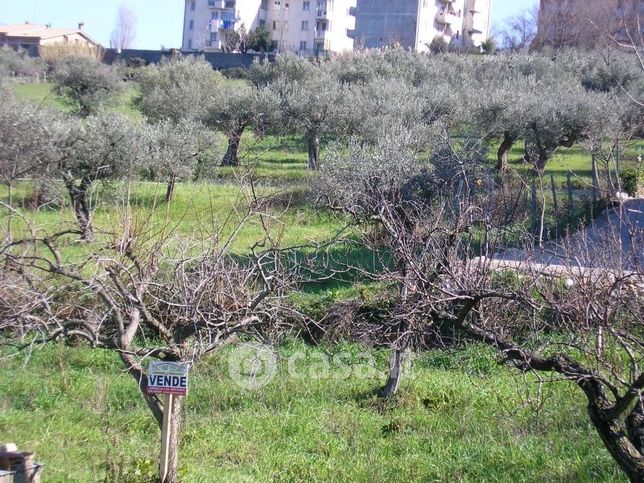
[(86, 83), (632, 181), (18, 63)]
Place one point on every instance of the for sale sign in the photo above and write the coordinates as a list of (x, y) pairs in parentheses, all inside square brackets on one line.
[(168, 378)]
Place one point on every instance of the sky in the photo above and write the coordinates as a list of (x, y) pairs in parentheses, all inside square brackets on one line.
[(160, 22)]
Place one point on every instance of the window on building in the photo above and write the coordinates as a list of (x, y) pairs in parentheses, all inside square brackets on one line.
[(275, 24), (262, 22), (264, 5), (303, 45), (214, 15), (193, 6), (190, 44), (213, 36), (305, 24), (306, 6), (192, 24)]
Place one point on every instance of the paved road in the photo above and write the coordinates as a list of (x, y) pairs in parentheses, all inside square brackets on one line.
[(614, 239)]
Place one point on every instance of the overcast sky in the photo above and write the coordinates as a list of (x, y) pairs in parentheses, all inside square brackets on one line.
[(160, 22)]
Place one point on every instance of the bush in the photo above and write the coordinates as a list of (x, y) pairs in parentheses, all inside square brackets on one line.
[(632, 181), (18, 63), (86, 83), (236, 73)]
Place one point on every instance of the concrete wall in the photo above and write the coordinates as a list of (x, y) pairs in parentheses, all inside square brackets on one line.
[(219, 60)]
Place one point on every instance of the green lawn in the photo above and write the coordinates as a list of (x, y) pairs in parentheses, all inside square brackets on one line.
[(459, 417)]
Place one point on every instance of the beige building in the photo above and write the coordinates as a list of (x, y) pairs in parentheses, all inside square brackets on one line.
[(31, 36), (416, 23), (306, 27)]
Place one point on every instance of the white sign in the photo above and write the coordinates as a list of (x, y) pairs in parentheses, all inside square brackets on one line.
[(168, 378)]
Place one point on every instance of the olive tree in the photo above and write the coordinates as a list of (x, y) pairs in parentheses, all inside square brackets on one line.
[(103, 147), (25, 143), (424, 211), (235, 108), (179, 88), (18, 63), (172, 151), (86, 83), (310, 106)]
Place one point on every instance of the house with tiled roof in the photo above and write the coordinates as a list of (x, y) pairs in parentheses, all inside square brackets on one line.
[(30, 36)]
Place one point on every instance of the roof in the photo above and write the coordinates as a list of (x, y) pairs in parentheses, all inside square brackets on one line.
[(31, 31)]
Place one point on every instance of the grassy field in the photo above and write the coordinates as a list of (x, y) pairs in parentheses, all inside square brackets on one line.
[(459, 417)]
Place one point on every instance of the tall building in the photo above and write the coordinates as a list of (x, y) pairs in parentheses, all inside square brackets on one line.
[(584, 23), (306, 27), (416, 23)]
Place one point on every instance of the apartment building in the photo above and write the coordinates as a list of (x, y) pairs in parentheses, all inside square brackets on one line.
[(305, 27), (415, 23), (209, 23)]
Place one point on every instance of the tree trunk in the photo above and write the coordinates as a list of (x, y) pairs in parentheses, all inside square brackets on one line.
[(616, 441), (396, 365), (313, 140), (174, 426), (234, 139), (169, 193), (502, 153), (78, 198)]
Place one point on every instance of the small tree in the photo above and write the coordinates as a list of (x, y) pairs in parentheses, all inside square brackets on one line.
[(100, 148), (86, 83), (18, 63), (260, 40), (237, 107), (178, 89), (141, 294), (173, 151), (25, 142), (124, 31), (310, 105)]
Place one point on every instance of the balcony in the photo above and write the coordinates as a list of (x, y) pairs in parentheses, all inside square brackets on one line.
[(227, 25), (215, 24), (448, 18), (321, 14)]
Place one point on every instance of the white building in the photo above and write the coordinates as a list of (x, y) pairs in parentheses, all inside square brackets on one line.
[(208, 23), (415, 23), (306, 27)]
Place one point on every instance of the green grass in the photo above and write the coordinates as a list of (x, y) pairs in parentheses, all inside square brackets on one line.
[(44, 95), (458, 417)]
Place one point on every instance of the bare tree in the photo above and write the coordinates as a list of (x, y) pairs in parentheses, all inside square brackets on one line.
[(141, 293), (519, 31), (124, 31)]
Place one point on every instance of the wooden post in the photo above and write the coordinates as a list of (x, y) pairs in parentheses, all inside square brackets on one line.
[(618, 166), (554, 193), (168, 407), (571, 205), (595, 179)]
